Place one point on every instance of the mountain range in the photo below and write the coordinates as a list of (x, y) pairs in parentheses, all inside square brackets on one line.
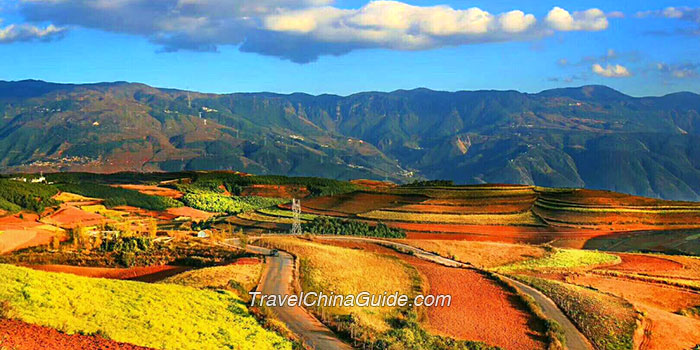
[(590, 136)]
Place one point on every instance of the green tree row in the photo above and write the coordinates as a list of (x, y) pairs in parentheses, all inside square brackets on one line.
[(16, 196), (324, 225), (116, 196)]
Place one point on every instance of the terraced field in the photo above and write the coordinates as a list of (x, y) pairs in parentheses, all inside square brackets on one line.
[(506, 213)]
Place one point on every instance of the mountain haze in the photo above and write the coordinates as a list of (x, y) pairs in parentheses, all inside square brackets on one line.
[(591, 136)]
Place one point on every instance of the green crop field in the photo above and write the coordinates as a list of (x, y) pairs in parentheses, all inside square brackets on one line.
[(561, 259), (219, 203), (163, 316)]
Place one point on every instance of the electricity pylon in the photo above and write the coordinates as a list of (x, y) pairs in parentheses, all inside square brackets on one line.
[(296, 217)]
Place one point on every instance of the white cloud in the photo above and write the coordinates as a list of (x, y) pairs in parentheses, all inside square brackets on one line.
[(302, 30), (398, 25), (25, 32), (678, 71), (682, 13), (611, 71), (589, 20), (615, 14)]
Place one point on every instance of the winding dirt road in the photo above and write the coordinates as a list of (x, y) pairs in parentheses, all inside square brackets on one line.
[(575, 340), (277, 280)]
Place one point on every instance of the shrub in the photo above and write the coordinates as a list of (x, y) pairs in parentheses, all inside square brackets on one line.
[(5, 310), (323, 225)]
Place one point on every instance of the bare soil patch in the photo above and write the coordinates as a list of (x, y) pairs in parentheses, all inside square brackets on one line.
[(69, 216), (645, 263), (19, 335), (276, 191), (194, 214), (22, 232), (154, 190), (480, 310), (142, 273), (360, 202)]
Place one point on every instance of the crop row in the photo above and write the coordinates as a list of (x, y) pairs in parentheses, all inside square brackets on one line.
[(526, 218)]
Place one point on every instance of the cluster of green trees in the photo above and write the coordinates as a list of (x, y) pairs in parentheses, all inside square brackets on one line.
[(235, 182), (324, 225), (219, 203), (116, 196), (113, 178), (126, 244), (407, 333), (16, 196), (430, 183)]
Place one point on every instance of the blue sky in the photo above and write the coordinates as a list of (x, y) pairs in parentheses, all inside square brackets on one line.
[(638, 47)]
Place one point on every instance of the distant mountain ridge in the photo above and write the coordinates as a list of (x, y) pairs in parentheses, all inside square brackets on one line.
[(590, 136)]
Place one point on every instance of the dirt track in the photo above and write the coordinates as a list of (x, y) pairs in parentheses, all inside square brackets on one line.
[(277, 280), (575, 340)]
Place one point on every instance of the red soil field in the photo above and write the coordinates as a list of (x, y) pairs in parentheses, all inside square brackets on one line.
[(480, 310), (69, 216), (360, 202), (154, 190), (663, 329), (17, 335), (575, 238), (373, 184), (606, 198), (619, 221), (454, 209), (478, 201), (141, 273), (277, 191), (644, 264), (169, 214), (12, 240), (195, 214), (19, 233)]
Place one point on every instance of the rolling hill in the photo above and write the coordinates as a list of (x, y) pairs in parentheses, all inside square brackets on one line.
[(591, 136)]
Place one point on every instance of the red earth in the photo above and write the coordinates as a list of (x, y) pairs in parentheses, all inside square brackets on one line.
[(22, 231), (69, 216), (277, 191), (464, 209), (480, 309), (17, 335), (142, 273), (360, 202), (154, 190), (644, 263)]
